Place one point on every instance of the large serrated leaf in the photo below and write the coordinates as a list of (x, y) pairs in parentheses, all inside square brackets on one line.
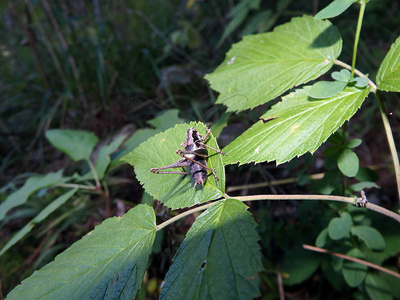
[(108, 263), (40, 217), (33, 184), (77, 144), (175, 190), (388, 77), (219, 259), (263, 66), (301, 125)]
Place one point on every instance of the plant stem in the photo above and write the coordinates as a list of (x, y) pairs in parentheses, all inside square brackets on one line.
[(349, 200), (357, 37), (79, 186), (96, 177), (389, 136), (357, 260)]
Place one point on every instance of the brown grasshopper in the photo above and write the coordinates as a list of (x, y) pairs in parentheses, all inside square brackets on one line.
[(194, 157)]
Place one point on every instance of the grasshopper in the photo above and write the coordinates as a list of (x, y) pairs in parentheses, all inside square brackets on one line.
[(194, 157)]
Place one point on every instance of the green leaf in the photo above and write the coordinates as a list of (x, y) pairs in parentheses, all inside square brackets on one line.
[(354, 273), (360, 82), (348, 163), (219, 258), (340, 227), (263, 66), (388, 77), (322, 238), (298, 265), (377, 288), (40, 217), (301, 125), (326, 89), (353, 143), (371, 237), (343, 75), (103, 159), (175, 190), (33, 184), (77, 144), (357, 187), (334, 9), (108, 263)]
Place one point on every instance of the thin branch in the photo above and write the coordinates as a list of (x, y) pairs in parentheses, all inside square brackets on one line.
[(370, 82), (349, 200), (357, 260)]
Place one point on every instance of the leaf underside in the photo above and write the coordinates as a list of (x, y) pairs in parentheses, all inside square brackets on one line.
[(388, 77), (263, 66), (219, 257), (108, 263), (175, 190), (298, 124)]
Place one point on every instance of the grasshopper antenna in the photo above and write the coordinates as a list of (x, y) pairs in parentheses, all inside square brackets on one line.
[(159, 106)]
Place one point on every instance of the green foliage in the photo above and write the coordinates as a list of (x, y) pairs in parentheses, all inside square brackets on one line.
[(219, 256), (109, 262), (334, 9), (388, 77), (298, 125), (173, 190), (259, 68), (77, 144)]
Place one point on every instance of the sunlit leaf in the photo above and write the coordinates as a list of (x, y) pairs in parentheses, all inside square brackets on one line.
[(300, 125), (33, 184), (77, 144), (175, 190), (219, 258), (263, 66), (388, 77), (108, 263)]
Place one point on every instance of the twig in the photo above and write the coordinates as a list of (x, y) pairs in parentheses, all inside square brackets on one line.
[(344, 65), (357, 260)]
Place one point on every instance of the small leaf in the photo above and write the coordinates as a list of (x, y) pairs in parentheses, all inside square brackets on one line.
[(353, 143), (303, 124), (360, 82), (388, 77), (326, 89), (334, 9), (340, 227), (108, 263), (322, 238), (263, 66), (77, 144), (371, 237), (343, 75), (348, 163), (40, 217), (357, 187), (219, 258), (354, 273), (377, 288), (175, 190), (33, 184)]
